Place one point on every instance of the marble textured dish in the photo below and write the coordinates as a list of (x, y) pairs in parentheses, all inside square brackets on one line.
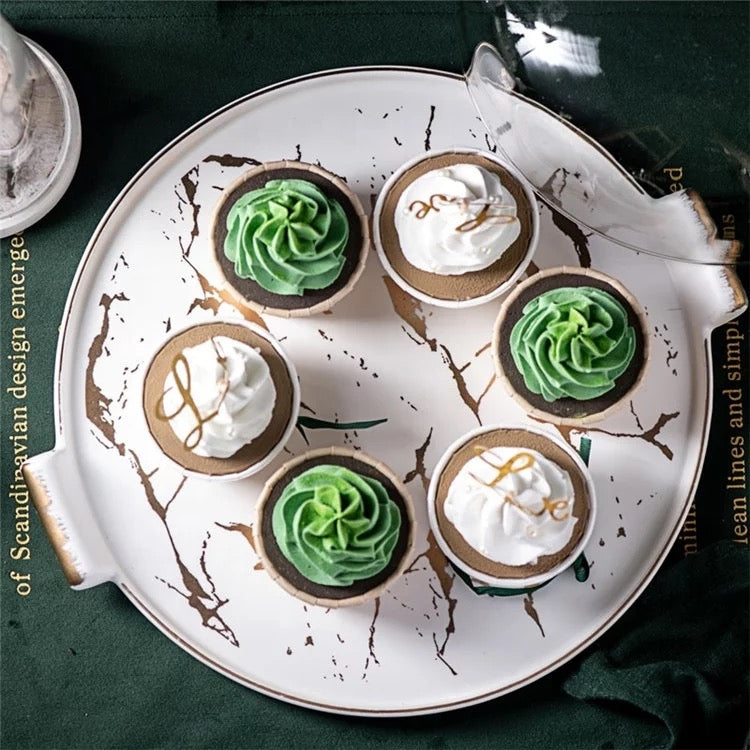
[(398, 378)]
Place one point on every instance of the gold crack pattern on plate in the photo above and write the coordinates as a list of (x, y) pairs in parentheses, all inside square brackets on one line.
[(530, 609), (410, 311), (635, 416), (576, 235), (419, 469), (436, 560), (371, 656), (567, 226), (212, 297), (196, 596), (190, 186), (229, 160), (648, 435), (247, 532), (206, 603), (298, 157), (97, 404), (439, 565), (660, 332), (428, 129), (532, 269), (463, 390), (124, 262)]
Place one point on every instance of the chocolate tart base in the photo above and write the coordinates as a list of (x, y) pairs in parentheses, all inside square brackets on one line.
[(522, 439), (252, 453), (455, 287), (312, 301), (568, 410), (286, 575)]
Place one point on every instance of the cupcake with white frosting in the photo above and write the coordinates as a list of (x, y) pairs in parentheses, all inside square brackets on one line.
[(511, 506), (455, 228), (221, 399)]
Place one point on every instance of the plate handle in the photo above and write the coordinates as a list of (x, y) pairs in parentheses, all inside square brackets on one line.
[(53, 482), (728, 300), (715, 295), (716, 292)]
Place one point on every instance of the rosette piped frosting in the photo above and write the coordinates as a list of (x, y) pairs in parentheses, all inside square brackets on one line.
[(336, 526), (287, 236), (572, 342)]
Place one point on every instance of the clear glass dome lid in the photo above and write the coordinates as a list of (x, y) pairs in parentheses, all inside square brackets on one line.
[(573, 172)]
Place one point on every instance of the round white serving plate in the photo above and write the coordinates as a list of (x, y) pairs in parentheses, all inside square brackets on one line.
[(181, 549)]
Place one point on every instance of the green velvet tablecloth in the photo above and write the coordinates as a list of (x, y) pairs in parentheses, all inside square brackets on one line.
[(85, 669)]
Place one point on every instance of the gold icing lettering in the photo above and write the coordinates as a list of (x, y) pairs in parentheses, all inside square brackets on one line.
[(181, 373), (485, 216), (558, 509)]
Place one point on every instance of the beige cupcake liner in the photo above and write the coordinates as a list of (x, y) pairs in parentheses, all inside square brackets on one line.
[(226, 286), (541, 414), (303, 595)]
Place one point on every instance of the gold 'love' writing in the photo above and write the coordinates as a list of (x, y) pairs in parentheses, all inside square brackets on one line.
[(514, 464), (180, 370), (433, 204), (558, 509), (486, 213)]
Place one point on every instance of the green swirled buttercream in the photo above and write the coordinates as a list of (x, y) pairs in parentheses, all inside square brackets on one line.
[(287, 236), (336, 526), (572, 342)]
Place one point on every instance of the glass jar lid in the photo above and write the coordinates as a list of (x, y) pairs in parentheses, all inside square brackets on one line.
[(577, 176)]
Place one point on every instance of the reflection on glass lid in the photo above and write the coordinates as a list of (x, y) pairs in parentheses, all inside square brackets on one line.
[(574, 174)]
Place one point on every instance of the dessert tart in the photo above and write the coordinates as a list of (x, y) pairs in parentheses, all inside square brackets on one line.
[(221, 399), (571, 345), (334, 527), (511, 506), (289, 239), (455, 228)]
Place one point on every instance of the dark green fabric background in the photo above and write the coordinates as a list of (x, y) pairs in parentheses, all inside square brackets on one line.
[(84, 669)]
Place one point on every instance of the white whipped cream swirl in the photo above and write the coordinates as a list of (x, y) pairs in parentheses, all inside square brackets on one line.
[(231, 397), (524, 515), (432, 241)]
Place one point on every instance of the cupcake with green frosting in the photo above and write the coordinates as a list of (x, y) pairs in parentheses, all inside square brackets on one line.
[(334, 527), (571, 345), (289, 238)]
